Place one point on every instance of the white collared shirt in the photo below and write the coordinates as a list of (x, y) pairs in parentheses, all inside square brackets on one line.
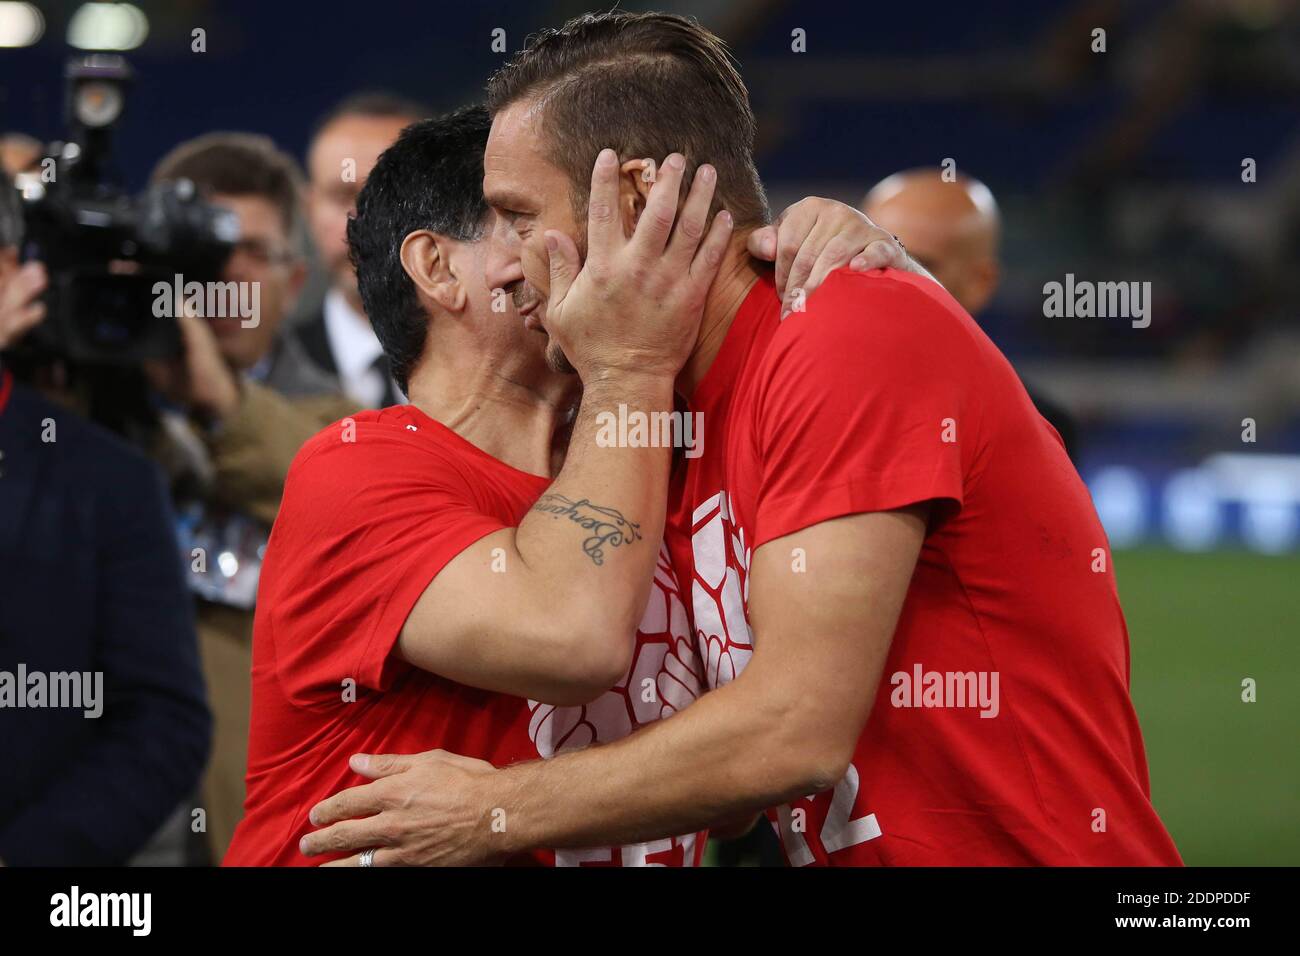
[(355, 348)]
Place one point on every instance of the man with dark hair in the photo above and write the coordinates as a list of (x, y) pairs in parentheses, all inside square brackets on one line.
[(245, 398), (902, 595), (90, 591), (427, 582), (338, 339)]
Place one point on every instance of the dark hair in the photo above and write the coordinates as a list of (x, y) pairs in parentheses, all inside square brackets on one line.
[(238, 164), (645, 84), (379, 104), (431, 178)]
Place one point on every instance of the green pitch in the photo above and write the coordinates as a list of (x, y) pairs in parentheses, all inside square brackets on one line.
[(1225, 775)]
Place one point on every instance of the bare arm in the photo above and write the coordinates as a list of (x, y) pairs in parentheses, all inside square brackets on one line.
[(785, 727), (549, 609)]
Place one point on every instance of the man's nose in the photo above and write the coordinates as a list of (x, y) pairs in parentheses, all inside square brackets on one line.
[(503, 266)]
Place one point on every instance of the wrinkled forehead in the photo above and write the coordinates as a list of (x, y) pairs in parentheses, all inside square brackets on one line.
[(516, 171)]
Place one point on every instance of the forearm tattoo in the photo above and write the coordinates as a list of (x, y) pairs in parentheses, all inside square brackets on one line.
[(608, 527)]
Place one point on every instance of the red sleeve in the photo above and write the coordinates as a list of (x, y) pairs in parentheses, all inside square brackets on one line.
[(862, 404), (363, 528)]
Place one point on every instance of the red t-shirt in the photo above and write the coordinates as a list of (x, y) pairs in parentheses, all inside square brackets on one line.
[(374, 507), (881, 394)]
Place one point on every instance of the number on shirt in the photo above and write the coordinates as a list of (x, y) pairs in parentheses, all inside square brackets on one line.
[(838, 832)]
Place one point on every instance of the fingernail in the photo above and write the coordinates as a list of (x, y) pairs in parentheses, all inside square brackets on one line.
[(706, 173), (858, 264), (607, 157), (551, 243), (361, 761), (770, 245), (726, 218), (677, 161)]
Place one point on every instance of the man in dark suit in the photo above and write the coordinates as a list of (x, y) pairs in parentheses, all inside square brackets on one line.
[(103, 725), (338, 339)]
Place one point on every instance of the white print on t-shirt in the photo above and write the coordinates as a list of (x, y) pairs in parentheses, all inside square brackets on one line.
[(720, 591), (720, 597), (663, 679)]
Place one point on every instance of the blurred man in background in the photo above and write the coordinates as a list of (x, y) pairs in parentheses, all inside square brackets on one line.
[(91, 593), (952, 227), (244, 399), (338, 339)]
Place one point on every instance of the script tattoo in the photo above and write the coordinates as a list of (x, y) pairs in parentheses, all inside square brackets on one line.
[(607, 525)]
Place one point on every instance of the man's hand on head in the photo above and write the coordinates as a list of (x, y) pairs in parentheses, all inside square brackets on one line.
[(428, 809), (635, 304), (816, 236), (20, 305)]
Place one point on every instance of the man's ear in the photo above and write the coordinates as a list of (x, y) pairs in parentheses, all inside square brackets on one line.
[(635, 177), (424, 256)]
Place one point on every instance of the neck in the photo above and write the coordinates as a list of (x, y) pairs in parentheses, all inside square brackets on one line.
[(510, 412), (736, 277)]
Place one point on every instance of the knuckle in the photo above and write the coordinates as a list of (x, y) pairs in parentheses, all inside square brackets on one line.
[(692, 228), (837, 248), (804, 260)]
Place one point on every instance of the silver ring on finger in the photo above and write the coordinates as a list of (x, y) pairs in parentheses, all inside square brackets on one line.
[(367, 858)]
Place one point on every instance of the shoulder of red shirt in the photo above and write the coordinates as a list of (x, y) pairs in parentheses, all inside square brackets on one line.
[(393, 426)]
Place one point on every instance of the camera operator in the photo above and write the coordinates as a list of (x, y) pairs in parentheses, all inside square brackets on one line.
[(91, 601), (244, 399)]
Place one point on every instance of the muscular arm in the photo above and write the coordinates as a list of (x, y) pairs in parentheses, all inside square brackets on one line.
[(787, 726), (549, 609)]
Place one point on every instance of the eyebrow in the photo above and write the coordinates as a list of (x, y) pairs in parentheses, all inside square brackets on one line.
[(506, 198)]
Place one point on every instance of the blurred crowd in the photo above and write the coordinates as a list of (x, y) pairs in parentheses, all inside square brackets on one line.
[(136, 504)]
